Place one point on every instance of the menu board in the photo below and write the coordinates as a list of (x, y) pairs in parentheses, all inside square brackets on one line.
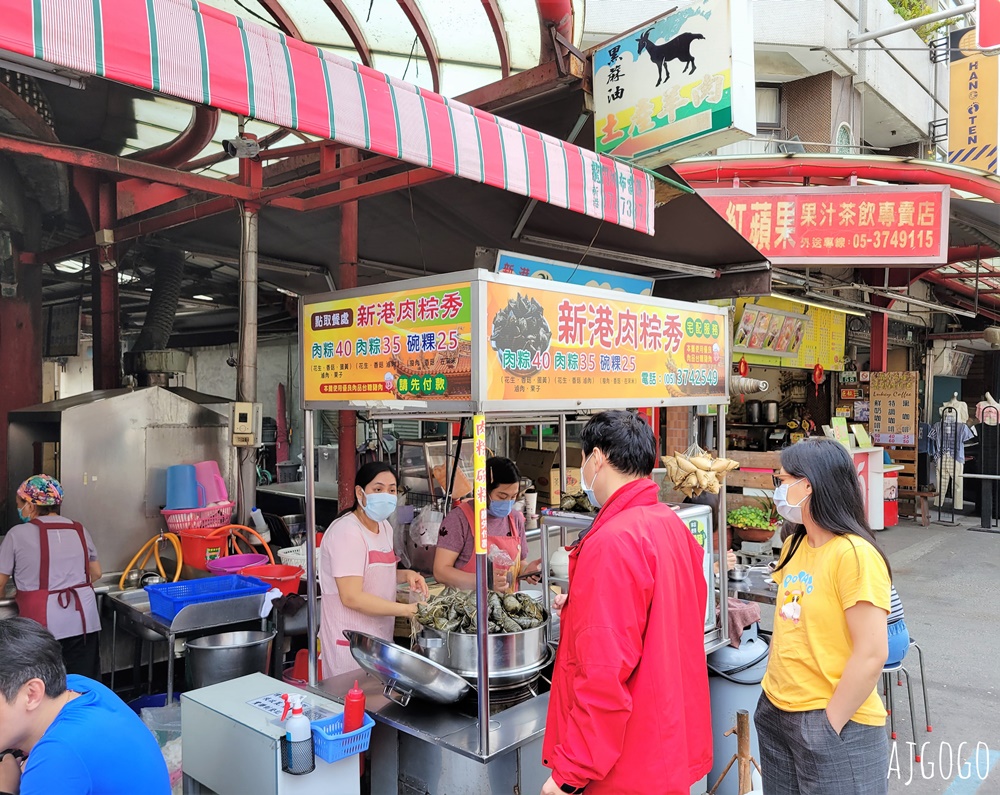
[(769, 331), (551, 345), (894, 414), (406, 345)]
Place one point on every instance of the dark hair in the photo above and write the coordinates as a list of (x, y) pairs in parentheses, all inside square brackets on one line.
[(836, 504), (29, 651), (625, 439), (366, 475), (500, 471)]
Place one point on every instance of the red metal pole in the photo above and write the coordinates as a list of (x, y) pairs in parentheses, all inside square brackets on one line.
[(20, 360), (347, 277), (880, 343)]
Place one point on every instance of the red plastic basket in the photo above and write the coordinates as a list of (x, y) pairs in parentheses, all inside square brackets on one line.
[(198, 518)]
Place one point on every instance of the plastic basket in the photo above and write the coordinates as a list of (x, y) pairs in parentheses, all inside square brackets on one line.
[(168, 599), (284, 578), (332, 744), (197, 518), (293, 556)]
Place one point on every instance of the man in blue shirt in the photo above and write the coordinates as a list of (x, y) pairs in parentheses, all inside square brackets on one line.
[(79, 737)]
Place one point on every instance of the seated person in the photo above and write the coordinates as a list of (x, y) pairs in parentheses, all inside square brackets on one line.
[(899, 635), (78, 736)]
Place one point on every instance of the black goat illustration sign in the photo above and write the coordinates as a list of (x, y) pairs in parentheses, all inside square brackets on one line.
[(677, 49)]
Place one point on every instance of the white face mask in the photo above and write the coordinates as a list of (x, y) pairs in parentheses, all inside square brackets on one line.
[(589, 490), (793, 513)]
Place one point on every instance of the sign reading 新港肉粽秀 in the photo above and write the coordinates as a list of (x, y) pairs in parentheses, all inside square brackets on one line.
[(678, 85), (841, 226)]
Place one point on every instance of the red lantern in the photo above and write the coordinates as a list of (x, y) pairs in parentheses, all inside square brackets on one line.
[(818, 376), (744, 370)]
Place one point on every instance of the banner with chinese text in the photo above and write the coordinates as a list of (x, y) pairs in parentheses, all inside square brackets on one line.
[(479, 495), (840, 226), (894, 408), (554, 345), (406, 345)]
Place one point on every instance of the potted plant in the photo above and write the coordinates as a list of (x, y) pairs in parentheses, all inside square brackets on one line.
[(753, 523)]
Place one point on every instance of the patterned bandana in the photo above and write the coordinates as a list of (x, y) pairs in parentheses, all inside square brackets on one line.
[(41, 490)]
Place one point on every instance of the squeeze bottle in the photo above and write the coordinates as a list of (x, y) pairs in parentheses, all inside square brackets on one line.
[(298, 736), (259, 524), (354, 714)]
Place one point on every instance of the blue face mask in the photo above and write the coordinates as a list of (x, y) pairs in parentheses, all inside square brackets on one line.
[(379, 507), (500, 508), (22, 517), (589, 490)]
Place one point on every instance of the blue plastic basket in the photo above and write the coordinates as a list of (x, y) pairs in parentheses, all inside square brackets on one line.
[(332, 744), (169, 598)]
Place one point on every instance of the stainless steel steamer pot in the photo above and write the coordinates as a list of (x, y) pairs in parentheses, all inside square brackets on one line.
[(512, 656)]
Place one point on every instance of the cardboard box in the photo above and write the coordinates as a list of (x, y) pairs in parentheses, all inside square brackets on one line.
[(542, 467)]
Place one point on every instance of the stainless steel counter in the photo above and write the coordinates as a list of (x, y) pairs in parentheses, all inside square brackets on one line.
[(107, 584), (324, 491), (448, 727)]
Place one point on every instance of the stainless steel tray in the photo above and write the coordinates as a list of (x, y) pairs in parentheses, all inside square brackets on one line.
[(405, 673)]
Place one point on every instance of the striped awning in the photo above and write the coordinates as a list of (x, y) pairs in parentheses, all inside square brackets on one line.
[(194, 52)]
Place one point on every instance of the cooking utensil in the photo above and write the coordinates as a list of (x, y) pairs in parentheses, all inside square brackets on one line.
[(151, 578), (739, 573), (509, 653), (753, 411), (771, 412), (405, 673), (132, 579)]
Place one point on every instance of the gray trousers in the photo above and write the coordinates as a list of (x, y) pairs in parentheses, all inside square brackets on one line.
[(801, 754)]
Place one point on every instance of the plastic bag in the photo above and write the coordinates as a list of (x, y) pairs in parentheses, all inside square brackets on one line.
[(425, 526)]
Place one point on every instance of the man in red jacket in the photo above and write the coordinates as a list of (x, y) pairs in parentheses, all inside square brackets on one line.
[(629, 709)]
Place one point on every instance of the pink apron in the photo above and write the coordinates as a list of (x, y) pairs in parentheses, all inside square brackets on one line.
[(511, 544), (35, 604), (379, 579)]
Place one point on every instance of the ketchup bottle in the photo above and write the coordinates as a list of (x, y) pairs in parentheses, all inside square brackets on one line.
[(354, 714)]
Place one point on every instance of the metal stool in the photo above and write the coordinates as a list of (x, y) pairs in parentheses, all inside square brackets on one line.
[(923, 682), (899, 670)]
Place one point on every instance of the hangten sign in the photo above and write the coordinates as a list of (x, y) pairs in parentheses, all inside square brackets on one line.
[(678, 85), (974, 79), (840, 226)]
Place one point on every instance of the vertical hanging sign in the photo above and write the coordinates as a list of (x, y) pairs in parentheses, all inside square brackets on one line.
[(479, 465), (973, 125)]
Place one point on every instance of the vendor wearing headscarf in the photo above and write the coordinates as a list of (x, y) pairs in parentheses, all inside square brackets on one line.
[(53, 562)]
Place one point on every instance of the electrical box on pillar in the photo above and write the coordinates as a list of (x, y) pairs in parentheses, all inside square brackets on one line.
[(8, 275), (246, 424)]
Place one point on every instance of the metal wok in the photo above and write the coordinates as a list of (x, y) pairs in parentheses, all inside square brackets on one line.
[(405, 673)]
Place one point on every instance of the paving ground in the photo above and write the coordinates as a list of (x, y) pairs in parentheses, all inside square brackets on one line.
[(949, 580)]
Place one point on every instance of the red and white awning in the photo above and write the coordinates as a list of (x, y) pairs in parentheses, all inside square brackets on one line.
[(194, 52)]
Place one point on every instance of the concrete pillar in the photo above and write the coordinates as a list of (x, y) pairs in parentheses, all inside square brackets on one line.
[(20, 351)]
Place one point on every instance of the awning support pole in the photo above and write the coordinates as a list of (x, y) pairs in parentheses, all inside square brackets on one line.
[(246, 370), (309, 478), (347, 277)]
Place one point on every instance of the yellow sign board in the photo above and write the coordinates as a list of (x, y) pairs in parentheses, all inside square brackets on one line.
[(972, 104), (823, 335)]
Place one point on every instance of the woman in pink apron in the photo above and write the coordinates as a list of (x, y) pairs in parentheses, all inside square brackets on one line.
[(358, 571), (53, 562), (455, 558)]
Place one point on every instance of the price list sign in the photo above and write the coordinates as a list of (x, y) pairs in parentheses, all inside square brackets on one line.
[(894, 408)]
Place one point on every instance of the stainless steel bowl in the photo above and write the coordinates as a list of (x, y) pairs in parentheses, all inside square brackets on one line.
[(738, 573), (405, 673)]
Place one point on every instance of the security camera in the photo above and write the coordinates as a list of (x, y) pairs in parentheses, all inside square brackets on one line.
[(241, 147)]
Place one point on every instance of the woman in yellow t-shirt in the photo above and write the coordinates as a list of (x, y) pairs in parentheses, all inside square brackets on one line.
[(820, 722)]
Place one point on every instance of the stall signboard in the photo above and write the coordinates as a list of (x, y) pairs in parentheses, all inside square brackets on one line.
[(479, 494), (554, 346), (894, 414), (479, 341), (572, 273), (406, 345), (868, 225), (678, 85)]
